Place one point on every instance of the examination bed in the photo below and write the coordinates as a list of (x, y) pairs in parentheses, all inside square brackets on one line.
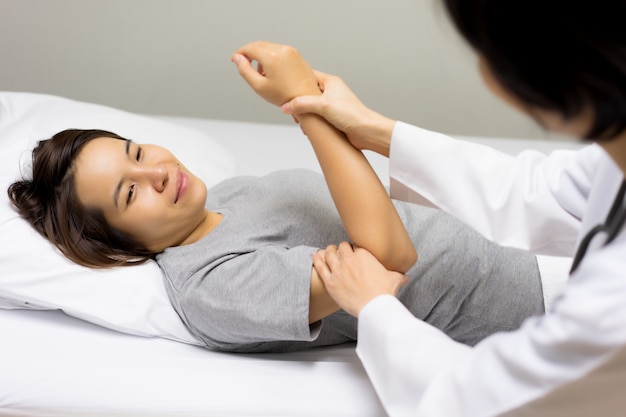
[(78, 342)]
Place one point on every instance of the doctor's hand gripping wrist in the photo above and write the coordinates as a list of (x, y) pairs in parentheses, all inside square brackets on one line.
[(364, 128)]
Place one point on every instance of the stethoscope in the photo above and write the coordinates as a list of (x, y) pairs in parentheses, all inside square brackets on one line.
[(612, 225)]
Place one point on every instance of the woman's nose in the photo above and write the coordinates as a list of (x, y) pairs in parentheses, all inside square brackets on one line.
[(157, 176)]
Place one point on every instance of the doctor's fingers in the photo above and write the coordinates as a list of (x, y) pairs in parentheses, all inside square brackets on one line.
[(345, 248), (317, 104), (324, 78), (330, 257), (337, 258), (320, 266), (337, 104)]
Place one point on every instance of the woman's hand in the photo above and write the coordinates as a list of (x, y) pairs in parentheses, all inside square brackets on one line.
[(353, 276), (365, 128), (281, 73)]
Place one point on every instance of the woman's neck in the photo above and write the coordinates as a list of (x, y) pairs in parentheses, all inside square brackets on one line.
[(210, 222)]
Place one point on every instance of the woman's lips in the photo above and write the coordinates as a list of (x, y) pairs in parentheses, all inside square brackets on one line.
[(181, 185)]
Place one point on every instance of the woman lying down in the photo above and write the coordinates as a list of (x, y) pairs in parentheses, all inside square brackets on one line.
[(237, 259)]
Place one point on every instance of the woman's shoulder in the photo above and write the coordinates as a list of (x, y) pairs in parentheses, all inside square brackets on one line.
[(244, 186), (270, 177)]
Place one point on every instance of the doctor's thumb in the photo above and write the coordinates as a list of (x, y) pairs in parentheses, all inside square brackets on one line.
[(303, 104)]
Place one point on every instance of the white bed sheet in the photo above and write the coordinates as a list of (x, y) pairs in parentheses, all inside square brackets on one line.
[(61, 366)]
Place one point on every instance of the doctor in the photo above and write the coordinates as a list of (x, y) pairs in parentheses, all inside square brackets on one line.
[(562, 63)]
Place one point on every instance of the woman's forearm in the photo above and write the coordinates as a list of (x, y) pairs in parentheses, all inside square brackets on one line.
[(364, 206), (367, 213)]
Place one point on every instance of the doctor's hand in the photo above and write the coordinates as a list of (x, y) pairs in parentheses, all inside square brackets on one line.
[(353, 276), (364, 128), (281, 73)]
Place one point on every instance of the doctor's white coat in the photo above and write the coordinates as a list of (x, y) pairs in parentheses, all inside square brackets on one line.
[(569, 362)]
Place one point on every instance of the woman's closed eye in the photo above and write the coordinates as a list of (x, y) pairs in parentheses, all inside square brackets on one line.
[(131, 189), (131, 192)]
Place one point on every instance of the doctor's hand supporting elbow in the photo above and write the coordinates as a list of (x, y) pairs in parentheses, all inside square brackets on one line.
[(353, 277)]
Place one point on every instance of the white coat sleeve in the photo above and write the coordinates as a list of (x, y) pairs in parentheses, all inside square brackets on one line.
[(418, 371), (531, 201)]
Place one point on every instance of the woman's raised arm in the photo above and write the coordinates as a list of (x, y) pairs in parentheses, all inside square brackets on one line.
[(368, 215)]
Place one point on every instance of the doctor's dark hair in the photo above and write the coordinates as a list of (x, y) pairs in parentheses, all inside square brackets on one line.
[(558, 55), (50, 204)]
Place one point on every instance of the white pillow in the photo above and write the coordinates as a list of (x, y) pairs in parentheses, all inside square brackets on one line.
[(34, 274)]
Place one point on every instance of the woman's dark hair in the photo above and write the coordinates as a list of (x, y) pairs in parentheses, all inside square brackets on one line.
[(50, 203), (558, 55)]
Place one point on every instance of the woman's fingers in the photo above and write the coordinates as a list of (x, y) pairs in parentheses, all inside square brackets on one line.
[(246, 70)]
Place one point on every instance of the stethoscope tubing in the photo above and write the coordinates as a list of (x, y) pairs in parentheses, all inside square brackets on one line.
[(612, 226)]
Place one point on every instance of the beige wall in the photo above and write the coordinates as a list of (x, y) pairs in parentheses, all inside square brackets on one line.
[(172, 57)]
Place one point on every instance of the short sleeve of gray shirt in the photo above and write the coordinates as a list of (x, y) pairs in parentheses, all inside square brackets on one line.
[(256, 296)]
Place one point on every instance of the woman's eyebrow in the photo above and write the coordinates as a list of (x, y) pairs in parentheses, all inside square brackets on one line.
[(116, 194)]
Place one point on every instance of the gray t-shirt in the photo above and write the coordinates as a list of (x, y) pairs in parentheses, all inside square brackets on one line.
[(245, 286)]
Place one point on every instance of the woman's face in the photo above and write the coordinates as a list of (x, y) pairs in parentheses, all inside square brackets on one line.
[(143, 191)]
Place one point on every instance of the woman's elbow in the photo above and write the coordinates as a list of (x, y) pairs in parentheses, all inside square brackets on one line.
[(407, 260), (399, 260)]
